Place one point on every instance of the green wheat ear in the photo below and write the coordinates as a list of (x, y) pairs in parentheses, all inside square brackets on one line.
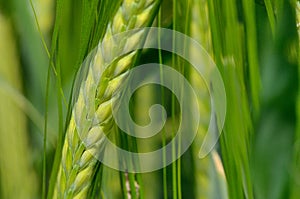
[(78, 164)]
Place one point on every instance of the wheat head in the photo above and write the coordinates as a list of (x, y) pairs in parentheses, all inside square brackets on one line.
[(96, 93)]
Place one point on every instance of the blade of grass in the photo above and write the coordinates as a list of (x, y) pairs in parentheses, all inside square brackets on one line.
[(229, 51), (271, 15), (252, 57)]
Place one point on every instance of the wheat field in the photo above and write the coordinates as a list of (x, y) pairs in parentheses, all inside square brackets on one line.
[(73, 123)]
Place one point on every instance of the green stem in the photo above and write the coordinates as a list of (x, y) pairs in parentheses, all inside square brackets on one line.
[(271, 15), (182, 70), (174, 170), (165, 184), (131, 177), (123, 185)]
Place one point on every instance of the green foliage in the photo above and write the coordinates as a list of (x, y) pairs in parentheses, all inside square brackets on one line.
[(255, 45), (276, 127)]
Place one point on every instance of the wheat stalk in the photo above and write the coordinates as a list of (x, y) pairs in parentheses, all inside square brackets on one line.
[(78, 164)]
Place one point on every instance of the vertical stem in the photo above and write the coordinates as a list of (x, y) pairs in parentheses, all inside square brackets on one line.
[(174, 171), (182, 70), (45, 137), (165, 188), (123, 185), (132, 185), (271, 16), (126, 184)]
